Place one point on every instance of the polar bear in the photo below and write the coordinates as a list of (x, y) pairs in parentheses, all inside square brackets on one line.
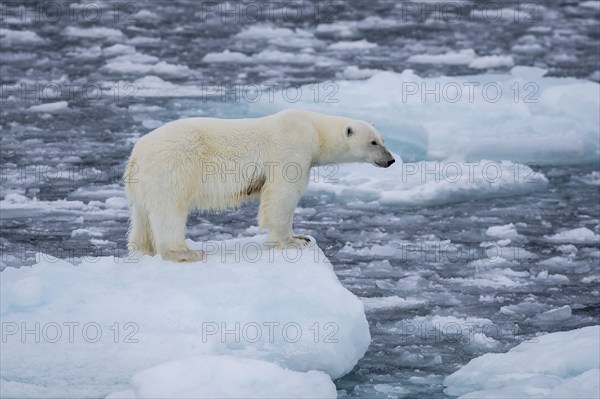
[(209, 163)]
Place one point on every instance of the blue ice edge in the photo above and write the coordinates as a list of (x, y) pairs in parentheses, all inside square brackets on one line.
[(126, 325)]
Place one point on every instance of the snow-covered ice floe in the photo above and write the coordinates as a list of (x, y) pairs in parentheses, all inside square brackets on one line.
[(558, 365), (128, 325), (428, 182), (225, 376)]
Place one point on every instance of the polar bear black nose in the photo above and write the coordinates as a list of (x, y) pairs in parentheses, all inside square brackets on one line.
[(390, 162)]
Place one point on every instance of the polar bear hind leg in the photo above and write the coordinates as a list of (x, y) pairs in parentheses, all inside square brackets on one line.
[(169, 236), (140, 234)]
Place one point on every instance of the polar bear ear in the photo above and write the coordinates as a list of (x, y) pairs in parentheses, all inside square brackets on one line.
[(349, 131)]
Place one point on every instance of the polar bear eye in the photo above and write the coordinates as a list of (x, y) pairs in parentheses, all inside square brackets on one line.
[(373, 142)]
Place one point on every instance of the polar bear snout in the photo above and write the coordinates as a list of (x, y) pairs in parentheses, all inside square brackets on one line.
[(386, 160), (385, 164)]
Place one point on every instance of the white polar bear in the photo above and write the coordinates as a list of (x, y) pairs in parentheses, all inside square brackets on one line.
[(208, 163)]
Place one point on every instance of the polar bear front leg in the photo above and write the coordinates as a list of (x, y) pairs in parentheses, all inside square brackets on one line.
[(277, 205)]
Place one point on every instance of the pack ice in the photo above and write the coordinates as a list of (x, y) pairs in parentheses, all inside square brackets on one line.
[(249, 321), (559, 365)]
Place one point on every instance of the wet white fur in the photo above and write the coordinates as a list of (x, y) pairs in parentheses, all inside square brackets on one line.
[(208, 163)]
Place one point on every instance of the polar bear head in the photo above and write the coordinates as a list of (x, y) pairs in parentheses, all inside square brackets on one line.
[(365, 144)]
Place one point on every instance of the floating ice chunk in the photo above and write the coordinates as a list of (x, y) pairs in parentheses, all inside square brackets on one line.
[(130, 314), (297, 38), (528, 48), (116, 202), (16, 204), (143, 40), (58, 106), (553, 315), (339, 28), (14, 198), (276, 56), (556, 279), (353, 45), (118, 49), (462, 57), (85, 232), (227, 56), (389, 302), (376, 22), (593, 178), (506, 231), (593, 4), (211, 376), (151, 123), (492, 61), (581, 235), (255, 32), (557, 365), (143, 67), (20, 36), (154, 86), (94, 33), (528, 307), (146, 15)]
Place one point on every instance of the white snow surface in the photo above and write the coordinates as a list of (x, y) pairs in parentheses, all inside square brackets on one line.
[(106, 319), (557, 365), (225, 376)]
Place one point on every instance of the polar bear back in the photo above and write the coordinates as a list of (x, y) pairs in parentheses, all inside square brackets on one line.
[(219, 163)]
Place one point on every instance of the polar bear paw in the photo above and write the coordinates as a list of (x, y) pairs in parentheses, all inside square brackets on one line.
[(296, 241), (186, 255)]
